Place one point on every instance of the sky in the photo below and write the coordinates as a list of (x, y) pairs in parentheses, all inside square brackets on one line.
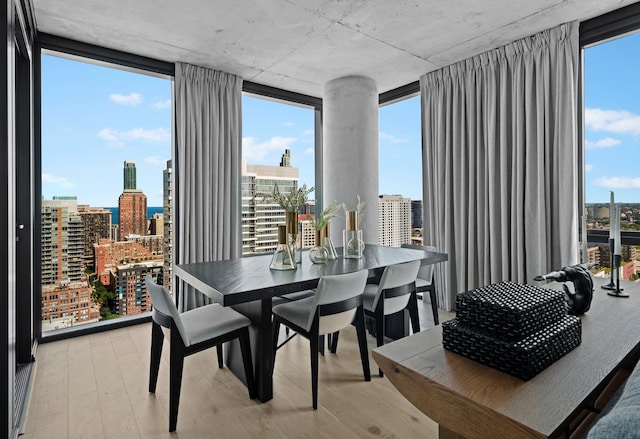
[(94, 118), (612, 120)]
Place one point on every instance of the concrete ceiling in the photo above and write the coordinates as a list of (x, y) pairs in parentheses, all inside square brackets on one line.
[(299, 45)]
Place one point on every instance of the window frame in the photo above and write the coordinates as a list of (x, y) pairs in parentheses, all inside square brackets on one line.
[(139, 64), (598, 30)]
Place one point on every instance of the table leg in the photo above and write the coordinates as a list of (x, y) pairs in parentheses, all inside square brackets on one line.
[(261, 350)]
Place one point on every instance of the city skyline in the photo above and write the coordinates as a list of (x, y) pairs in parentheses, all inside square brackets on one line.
[(100, 117)]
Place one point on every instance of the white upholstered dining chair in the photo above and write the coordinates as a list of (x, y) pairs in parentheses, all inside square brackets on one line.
[(190, 332), (336, 304)]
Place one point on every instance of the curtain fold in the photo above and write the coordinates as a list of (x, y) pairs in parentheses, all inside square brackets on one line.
[(208, 180), (500, 161)]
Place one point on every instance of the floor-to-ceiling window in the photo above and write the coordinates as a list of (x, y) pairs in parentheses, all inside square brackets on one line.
[(400, 173), (278, 148), (105, 159), (612, 151)]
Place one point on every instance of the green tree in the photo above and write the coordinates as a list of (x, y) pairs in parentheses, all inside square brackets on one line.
[(105, 298)]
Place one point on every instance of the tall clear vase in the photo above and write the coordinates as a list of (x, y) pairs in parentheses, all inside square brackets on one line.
[(282, 258), (352, 237), (292, 236)]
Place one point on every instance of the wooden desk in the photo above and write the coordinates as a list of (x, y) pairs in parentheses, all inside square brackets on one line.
[(247, 284), (475, 401)]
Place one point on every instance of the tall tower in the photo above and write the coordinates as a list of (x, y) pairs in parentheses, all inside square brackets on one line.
[(97, 226), (129, 175), (62, 241), (167, 211), (285, 161), (132, 205), (394, 220), (65, 294), (260, 219)]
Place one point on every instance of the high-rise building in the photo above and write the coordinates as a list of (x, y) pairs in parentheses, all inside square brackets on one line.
[(62, 241), (260, 218), (131, 291), (416, 214), (97, 225), (394, 220), (167, 216), (132, 205), (65, 294), (129, 182)]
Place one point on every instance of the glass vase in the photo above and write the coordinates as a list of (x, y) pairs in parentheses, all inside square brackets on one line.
[(282, 258), (294, 246), (318, 254), (353, 244), (291, 219), (327, 243)]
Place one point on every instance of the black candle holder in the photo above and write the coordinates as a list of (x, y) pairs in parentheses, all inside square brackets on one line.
[(611, 285), (618, 291)]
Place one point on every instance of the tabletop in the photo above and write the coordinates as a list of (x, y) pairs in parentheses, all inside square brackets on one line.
[(246, 279), (476, 401)]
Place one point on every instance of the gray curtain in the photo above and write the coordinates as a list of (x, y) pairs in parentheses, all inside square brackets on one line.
[(500, 162), (208, 180)]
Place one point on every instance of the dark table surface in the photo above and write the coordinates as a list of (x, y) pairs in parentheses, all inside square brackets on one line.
[(246, 279)]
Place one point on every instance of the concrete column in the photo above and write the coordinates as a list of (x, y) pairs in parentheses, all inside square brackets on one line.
[(350, 150)]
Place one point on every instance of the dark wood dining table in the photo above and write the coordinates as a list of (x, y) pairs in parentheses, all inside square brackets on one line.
[(248, 285)]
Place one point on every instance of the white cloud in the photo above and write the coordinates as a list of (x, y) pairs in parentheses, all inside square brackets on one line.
[(132, 99), (618, 182), (255, 152), (287, 124), (391, 138), (161, 105), (607, 142), (614, 121), (588, 168), (58, 181), (119, 138), (155, 160), (307, 133), (309, 151)]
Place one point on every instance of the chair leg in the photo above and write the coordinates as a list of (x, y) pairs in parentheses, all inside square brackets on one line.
[(220, 358), (434, 306), (321, 344), (313, 340), (275, 331), (379, 331), (175, 377), (245, 348), (156, 353), (334, 341), (362, 343), (413, 313)]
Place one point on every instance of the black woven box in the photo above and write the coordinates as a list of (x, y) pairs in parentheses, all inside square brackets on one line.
[(510, 311), (524, 358)]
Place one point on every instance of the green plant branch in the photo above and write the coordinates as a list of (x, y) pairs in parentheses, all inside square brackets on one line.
[(292, 201), (321, 221)]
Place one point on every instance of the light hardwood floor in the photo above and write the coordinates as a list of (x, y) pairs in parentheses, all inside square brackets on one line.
[(95, 386)]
